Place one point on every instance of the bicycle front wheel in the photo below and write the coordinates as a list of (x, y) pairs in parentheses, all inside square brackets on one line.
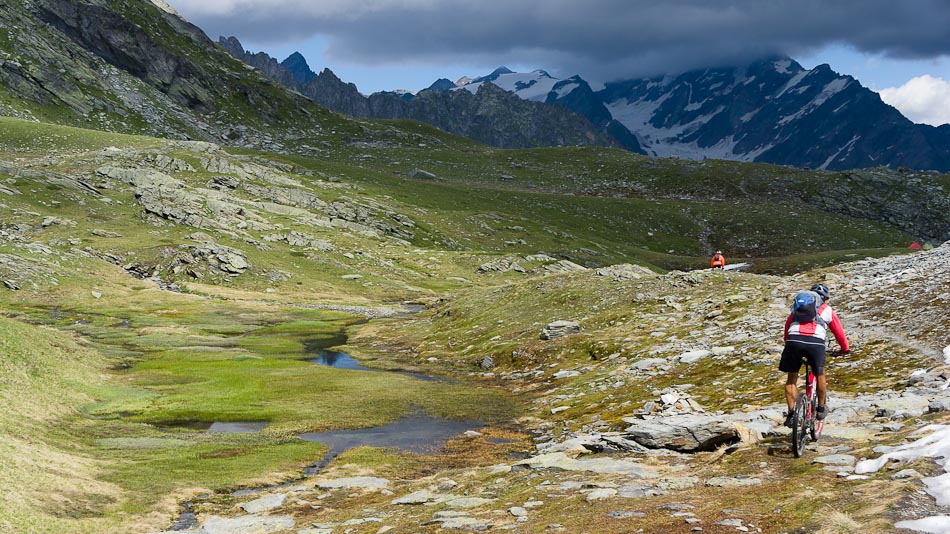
[(800, 428)]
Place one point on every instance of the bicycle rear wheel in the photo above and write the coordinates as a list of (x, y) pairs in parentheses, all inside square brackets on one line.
[(815, 425), (800, 428)]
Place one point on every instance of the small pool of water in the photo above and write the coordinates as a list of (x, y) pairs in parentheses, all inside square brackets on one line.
[(416, 433), (342, 360), (221, 427), (248, 427)]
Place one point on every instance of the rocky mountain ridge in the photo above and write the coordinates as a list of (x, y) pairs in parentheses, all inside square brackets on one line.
[(488, 115), (772, 111), (133, 66), (775, 111)]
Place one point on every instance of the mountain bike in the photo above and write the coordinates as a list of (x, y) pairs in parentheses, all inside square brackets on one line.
[(806, 410)]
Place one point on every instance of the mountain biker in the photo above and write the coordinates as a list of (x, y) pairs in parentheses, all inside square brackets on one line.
[(807, 340), (717, 261)]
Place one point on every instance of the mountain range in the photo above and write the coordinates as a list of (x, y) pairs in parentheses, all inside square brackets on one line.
[(770, 111), (491, 115), (532, 341)]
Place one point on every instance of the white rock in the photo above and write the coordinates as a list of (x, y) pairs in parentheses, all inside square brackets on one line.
[(353, 482), (600, 494), (562, 462), (421, 497), (466, 523), (467, 502), (694, 356), (246, 524), (565, 374), (268, 502), (836, 459)]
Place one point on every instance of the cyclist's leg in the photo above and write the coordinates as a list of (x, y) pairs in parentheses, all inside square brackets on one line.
[(791, 390), (822, 389), (816, 358), (791, 363)]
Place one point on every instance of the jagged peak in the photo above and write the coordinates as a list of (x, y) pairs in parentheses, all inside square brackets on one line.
[(231, 44), (298, 66), (295, 57), (442, 84), (495, 74), (164, 6), (327, 74), (489, 88)]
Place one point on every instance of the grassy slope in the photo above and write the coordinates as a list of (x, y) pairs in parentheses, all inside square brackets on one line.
[(44, 375), (674, 219)]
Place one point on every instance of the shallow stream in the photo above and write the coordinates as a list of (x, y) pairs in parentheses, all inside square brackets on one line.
[(418, 433)]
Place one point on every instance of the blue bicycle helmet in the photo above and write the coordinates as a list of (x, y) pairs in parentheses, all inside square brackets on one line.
[(822, 291)]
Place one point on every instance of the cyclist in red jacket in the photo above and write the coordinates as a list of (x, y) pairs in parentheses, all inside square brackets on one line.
[(717, 261), (807, 340)]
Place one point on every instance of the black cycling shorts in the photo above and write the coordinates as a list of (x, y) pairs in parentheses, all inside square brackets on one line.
[(810, 348)]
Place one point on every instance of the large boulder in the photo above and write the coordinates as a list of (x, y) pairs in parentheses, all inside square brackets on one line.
[(559, 461), (684, 433), (624, 271), (559, 329)]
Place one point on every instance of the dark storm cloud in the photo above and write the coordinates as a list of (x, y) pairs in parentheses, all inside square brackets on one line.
[(597, 38)]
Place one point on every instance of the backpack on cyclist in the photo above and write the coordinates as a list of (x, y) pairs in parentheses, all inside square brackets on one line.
[(805, 308)]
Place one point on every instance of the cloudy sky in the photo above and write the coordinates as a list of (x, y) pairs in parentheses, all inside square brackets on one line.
[(900, 49)]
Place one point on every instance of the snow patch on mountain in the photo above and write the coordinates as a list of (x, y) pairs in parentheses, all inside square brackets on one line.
[(782, 65), (748, 116), (535, 85), (796, 79), (771, 110), (849, 146), (831, 89), (669, 141), (566, 89)]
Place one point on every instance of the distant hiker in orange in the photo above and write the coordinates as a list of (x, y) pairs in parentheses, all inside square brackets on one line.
[(717, 261)]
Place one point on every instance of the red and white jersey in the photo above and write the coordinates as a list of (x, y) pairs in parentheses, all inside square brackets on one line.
[(816, 329)]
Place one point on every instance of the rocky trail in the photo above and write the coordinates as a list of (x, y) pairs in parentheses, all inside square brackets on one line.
[(671, 454)]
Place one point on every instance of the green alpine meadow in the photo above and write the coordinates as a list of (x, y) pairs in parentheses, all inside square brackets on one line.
[(225, 308)]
